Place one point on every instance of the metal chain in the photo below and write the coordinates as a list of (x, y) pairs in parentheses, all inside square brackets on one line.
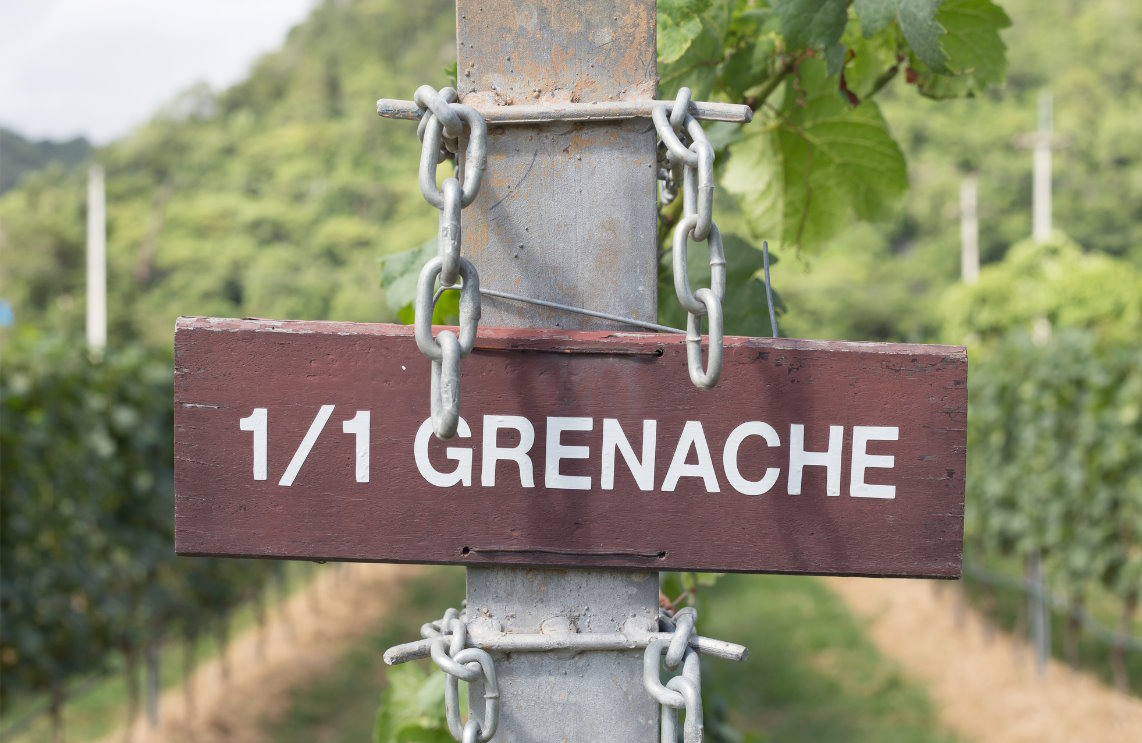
[(676, 644), (696, 163), (683, 691), (440, 130), (473, 665)]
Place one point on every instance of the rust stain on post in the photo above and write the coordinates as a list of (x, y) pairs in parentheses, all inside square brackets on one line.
[(535, 52), (570, 208)]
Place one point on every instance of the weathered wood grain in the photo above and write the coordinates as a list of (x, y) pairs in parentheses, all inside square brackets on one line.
[(225, 368)]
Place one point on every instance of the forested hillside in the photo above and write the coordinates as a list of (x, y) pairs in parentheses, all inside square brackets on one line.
[(273, 198), (19, 156), (276, 197)]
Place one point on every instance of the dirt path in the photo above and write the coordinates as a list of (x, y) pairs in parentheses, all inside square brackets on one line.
[(299, 642), (976, 684)]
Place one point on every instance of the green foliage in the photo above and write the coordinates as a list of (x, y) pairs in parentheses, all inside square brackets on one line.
[(410, 707), (87, 496), (274, 198), (21, 156), (971, 44), (820, 152), (1050, 285), (1055, 440), (811, 25), (1055, 423), (823, 678)]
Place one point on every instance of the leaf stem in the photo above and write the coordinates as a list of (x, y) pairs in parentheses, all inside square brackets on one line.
[(771, 85), (882, 80)]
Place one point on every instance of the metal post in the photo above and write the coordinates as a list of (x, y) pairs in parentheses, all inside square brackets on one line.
[(566, 213), (96, 260), (969, 231), (1041, 180)]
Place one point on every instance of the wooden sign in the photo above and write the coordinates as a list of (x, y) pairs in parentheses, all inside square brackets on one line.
[(576, 449)]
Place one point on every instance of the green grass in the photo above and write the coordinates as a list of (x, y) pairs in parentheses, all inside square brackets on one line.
[(812, 674), (342, 704), (100, 704)]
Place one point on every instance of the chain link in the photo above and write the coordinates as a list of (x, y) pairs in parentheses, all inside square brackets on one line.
[(683, 691), (441, 128), (694, 162), (446, 350), (460, 663)]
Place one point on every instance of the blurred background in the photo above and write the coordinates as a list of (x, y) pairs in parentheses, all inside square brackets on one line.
[(225, 158)]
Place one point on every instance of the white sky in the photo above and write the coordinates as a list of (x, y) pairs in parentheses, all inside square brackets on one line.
[(97, 68)]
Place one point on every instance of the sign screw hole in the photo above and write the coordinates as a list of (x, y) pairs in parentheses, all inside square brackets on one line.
[(465, 550)]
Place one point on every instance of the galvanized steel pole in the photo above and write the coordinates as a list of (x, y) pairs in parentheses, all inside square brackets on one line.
[(567, 214)]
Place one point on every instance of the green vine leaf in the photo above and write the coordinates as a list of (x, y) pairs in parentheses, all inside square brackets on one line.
[(812, 24), (971, 41), (822, 164), (875, 15), (923, 32), (679, 23)]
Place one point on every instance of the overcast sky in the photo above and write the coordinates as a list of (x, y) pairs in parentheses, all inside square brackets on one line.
[(97, 68)]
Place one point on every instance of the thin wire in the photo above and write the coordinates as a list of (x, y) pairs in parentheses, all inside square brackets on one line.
[(567, 308), (768, 288), (581, 311)]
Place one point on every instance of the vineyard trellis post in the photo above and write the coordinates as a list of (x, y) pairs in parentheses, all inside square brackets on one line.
[(571, 217)]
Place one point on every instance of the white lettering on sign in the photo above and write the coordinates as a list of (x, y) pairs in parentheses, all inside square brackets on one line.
[(557, 450), (831, 459), (462, 475), (730, 458), (862, 460), (691, 457), (358, 425), (493, 452), (693, 437), (306, 445), (257, 422), (614, 439)]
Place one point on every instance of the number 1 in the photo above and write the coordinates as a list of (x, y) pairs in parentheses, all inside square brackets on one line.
[(359, 425), (256, 422)]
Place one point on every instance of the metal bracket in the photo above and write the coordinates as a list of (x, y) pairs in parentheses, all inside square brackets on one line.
[(500, 642), (540, 113)]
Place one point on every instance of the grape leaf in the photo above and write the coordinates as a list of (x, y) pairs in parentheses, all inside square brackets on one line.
[(678, 25), (811, 24), (875, 15), (754, 175), (747, 66), (675, 38), (923, 32), (697, 68), (825, 163), (971, 42), (411, 708), (869, 58)]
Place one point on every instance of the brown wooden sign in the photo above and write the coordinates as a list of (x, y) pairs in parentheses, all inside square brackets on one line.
[(310, 440)]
